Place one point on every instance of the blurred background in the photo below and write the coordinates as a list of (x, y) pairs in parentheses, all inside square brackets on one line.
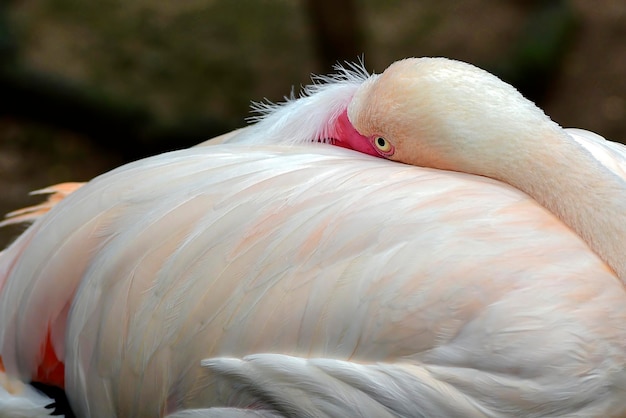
[(86, 86)]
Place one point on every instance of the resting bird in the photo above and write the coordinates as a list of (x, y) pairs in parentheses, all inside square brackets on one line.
[(252, 280)]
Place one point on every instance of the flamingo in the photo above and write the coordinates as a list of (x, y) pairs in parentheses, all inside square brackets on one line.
[(275, 276)]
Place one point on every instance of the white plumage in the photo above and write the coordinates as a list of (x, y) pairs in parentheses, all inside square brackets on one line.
[(247, 280)]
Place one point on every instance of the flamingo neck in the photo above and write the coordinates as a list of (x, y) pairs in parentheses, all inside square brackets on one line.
[(567, 180)]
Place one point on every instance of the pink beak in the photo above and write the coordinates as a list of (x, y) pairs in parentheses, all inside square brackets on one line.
[(348, 137)]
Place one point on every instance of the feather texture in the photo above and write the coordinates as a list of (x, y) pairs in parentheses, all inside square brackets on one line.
[(297, 258), (19, 400), (252, 280), (309, 118)]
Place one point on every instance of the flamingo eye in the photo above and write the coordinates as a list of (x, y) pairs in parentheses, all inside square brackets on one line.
[(383, 146)]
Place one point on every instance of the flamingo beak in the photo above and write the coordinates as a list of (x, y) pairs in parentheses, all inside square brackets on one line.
[(348, 137)]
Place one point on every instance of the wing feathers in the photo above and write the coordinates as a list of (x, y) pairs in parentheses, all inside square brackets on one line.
[(224, 413), (333, 388)]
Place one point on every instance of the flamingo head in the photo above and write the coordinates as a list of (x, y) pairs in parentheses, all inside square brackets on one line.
[(441, 113), (431, 112)]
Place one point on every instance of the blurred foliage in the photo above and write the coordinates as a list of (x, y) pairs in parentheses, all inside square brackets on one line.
[(538, 54), (201, 57), (194, 59), (186, 58)]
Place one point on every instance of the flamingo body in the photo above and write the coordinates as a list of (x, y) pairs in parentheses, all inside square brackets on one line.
[(305, 280), (285, 250)]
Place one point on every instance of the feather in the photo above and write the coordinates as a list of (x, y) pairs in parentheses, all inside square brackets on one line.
[(19, 400)]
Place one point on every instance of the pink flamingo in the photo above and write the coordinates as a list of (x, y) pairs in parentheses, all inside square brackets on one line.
[(253, 279)]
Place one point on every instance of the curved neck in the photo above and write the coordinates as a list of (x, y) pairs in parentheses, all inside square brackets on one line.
[(567, 180)]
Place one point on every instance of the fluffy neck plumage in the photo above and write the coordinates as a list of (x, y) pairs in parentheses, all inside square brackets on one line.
[(309, 118)]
